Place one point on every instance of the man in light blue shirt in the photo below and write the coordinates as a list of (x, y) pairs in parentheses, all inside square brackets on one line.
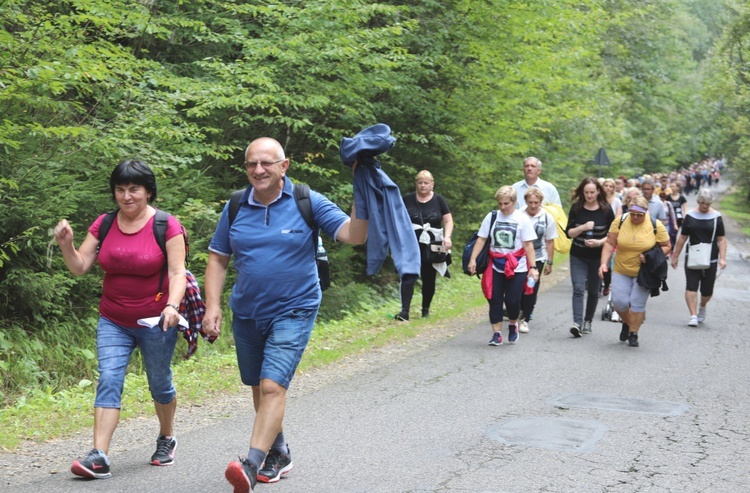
[(532, 168)]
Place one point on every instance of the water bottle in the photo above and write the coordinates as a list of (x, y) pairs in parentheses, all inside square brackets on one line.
[(530, 282), (321, 255), (590, 234)]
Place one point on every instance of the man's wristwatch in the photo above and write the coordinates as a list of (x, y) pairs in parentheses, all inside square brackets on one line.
[(549, 262), (171, 305)]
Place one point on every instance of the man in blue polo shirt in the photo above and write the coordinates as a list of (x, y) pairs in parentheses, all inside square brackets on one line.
[(275, 298)]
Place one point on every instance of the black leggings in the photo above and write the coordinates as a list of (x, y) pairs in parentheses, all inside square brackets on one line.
[(704, 278), (429, 277), (528, 301), (508, 291)]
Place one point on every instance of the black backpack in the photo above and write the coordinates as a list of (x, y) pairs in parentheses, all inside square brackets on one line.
[(304, 205), (483, 258), (160, 233)]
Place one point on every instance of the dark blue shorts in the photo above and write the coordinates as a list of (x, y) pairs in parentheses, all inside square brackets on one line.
[(272, 348)]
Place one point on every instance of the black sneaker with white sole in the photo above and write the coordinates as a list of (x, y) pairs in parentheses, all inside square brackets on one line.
[(95, 465), (164, 455), (275, 466)]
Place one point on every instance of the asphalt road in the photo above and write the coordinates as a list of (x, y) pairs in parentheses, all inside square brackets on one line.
[(548, 414)]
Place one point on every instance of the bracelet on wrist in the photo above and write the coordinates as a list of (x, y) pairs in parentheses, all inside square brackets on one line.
[(172, 305)]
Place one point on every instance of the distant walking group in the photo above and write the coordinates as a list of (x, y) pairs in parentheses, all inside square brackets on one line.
[(623, 232)]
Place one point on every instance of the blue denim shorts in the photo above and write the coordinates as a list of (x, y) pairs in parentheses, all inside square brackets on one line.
[(115, 345), (272, 348)]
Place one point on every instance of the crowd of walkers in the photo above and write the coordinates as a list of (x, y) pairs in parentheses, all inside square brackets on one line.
[(624, 234)]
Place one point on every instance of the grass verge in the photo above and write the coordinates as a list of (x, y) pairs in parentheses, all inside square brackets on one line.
[(734, 205)]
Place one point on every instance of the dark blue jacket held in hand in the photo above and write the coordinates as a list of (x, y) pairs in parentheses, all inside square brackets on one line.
[(379, 201), (653, 274)]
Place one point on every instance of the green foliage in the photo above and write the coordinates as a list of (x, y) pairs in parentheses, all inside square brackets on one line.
[(729, 88), (54, 359), (350, 299), (735, 205)]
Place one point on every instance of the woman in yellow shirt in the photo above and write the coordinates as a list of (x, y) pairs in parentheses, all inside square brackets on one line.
[(632, 234)]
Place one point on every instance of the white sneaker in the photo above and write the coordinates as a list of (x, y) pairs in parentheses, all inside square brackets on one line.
[(693, 321), (701, 314), (523, 327)]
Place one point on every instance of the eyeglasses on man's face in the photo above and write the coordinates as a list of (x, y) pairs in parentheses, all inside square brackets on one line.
[(265, 164)]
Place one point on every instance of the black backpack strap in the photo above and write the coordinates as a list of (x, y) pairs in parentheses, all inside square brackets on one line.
[(234, 205), (161, 219), (493, 216), (104, 227), (161, 222), (304, 204)]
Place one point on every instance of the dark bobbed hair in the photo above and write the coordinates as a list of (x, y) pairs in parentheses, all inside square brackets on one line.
[(132, 171), (579, 199)]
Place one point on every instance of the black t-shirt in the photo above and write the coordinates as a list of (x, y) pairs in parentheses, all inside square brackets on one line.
[(677, 205), (602, 219), (700, 227), (431, 211)]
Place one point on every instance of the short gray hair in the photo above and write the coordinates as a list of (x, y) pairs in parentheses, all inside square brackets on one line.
[(532, 158), (705, 196)]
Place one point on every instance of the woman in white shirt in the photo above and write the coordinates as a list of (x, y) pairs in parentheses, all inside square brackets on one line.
[(511, 253), (544, 248)]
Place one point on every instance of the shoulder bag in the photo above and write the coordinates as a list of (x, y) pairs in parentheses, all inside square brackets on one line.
[(699, 255)]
